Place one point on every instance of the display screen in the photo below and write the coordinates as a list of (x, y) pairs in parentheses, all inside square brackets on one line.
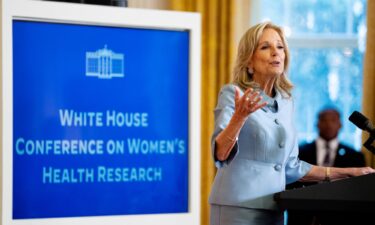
[(100, 120)]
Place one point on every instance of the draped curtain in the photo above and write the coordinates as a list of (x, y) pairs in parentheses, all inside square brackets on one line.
[(368, 101), (216, 60), (222, 22)]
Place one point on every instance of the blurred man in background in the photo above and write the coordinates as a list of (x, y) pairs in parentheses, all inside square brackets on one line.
[(328, 151)]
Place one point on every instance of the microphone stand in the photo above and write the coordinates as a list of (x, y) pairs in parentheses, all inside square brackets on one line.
[(369, 144)]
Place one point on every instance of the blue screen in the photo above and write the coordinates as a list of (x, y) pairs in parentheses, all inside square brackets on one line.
[(100, 120)]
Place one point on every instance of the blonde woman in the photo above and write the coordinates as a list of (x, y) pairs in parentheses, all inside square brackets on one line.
[(254, 144)]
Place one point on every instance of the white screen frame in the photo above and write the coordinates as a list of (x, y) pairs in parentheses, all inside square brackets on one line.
[(104, 16)]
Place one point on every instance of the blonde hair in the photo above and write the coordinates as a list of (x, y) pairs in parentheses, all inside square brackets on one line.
[(246, 49)]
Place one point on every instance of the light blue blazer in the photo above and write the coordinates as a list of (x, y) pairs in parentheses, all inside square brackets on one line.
[(263, 160)]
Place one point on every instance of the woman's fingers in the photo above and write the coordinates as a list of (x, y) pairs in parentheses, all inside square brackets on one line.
[(236, 94), (249, 102), (367, 170), (258, 106), (359, 171), (252, 98), (250, 95)]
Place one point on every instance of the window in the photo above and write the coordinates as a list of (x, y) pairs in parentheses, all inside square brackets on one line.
[(327, 43)]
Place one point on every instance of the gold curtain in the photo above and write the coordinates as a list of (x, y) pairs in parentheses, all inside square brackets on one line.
[(369, 76), (222, 22)]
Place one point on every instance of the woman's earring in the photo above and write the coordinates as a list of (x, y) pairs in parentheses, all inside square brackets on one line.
[(250, 70)]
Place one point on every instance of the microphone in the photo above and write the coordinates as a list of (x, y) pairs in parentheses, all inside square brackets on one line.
[(364, 124), (361, 122)]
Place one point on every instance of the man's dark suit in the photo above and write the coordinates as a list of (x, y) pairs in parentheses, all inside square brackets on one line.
[(345, 157)]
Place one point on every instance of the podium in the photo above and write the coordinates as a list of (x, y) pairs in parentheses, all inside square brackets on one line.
[(346, 201)]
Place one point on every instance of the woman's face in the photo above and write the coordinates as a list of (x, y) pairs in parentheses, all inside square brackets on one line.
[(269, 56)]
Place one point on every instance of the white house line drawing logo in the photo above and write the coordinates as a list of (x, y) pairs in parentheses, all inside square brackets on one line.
[(104, 64)]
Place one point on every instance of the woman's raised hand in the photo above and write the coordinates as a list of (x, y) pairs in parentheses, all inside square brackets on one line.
[(248, 103)]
